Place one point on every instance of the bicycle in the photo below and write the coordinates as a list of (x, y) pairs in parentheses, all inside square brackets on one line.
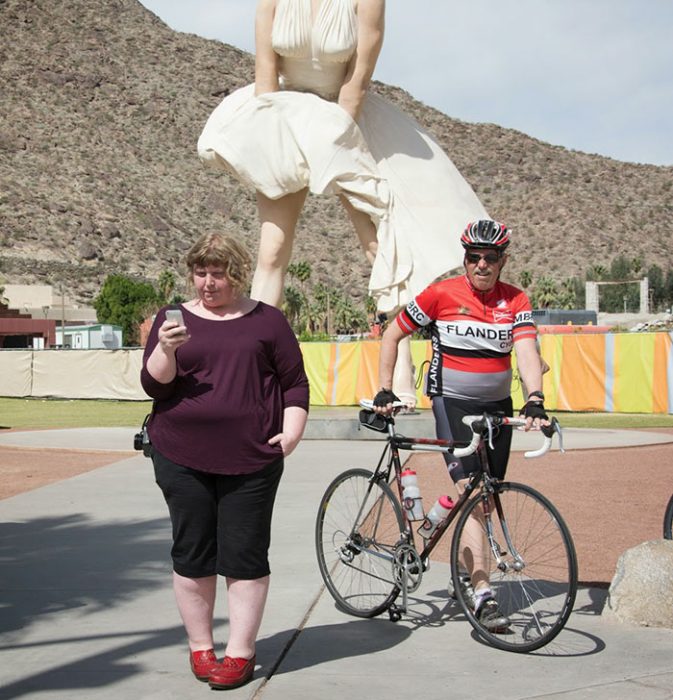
[(367, 554), (668, 520)]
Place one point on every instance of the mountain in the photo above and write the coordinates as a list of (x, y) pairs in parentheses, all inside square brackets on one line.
[(102, 104)]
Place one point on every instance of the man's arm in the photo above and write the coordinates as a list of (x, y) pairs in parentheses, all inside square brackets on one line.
[(387, 359), (530, 371)]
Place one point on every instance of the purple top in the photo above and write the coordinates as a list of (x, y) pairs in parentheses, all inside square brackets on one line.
[(234, 379)]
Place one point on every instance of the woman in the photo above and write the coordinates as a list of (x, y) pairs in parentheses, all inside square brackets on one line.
[(310, 123), (231, 401)]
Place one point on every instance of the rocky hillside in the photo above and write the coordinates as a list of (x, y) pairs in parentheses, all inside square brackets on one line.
[(101, 107)]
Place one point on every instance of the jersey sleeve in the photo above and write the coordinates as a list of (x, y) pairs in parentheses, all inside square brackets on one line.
[(419, 312), (524, 326)]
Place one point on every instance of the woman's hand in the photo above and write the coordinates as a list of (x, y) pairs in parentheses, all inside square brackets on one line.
[(161, 364), (172, 336), (287, 442), (294, 422)]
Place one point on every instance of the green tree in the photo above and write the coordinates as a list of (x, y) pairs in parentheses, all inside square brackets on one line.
[(545, 293), (655, 278), (596, 273), (125, 302), (301, 271), (525, 278), (293, 305), (668, 289), (166, 287)]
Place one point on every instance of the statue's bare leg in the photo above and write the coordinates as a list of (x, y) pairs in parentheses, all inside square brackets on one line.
[(278, 220), (403, 376)]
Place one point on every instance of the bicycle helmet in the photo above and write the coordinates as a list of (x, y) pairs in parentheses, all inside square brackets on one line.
[(485, 233)]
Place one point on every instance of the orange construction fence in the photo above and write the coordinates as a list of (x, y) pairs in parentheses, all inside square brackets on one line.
[(607, 372)]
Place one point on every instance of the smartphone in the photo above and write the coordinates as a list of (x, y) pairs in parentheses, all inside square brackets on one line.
[(175, 316)]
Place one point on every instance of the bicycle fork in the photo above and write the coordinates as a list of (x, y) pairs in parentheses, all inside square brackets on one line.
[(517, 562)]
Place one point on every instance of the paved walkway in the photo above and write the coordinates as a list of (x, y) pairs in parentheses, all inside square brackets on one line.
[(88, 611)]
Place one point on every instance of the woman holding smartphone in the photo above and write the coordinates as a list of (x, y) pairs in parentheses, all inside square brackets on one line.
[(231, 402)]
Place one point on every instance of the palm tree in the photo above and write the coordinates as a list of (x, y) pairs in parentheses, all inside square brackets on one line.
[(525, 278), (301, 271), (292, 305), (545, 293), (165, 286)]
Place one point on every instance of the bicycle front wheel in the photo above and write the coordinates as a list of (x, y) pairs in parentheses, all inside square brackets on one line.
[(359, 525), (518, 540), (668, 520)]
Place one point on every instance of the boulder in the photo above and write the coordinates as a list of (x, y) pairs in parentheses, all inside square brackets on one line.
[(641, 591)]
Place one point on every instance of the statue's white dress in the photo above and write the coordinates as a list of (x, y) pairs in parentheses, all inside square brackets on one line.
[(385, 164)]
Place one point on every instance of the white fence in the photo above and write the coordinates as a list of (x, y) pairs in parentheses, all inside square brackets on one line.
[(72, 374)]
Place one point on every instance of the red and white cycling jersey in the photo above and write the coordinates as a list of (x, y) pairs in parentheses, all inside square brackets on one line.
[(472, 336)]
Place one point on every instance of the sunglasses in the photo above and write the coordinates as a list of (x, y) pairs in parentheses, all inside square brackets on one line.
[(490, 258)]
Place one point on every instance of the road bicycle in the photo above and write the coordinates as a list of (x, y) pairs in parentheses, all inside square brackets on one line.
[(668, 520), (367, 553)]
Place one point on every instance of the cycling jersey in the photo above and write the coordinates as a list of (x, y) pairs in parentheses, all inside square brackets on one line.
[(472, 336)]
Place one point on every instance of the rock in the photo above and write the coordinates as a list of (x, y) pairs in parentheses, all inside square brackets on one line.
[(87, 251), (641, 591)]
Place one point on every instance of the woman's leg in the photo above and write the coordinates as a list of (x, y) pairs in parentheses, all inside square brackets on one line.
[(403, 376), (196, 602), (246, 607), (278, 220)]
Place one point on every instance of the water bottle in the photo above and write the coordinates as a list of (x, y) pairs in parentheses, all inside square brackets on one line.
[(411, 495), (436, 514)]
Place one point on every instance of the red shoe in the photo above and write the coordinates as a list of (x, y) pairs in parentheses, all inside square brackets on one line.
[(203, 663), (231, 673)]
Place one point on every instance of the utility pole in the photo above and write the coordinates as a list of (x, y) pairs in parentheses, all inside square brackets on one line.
[(62, 315)]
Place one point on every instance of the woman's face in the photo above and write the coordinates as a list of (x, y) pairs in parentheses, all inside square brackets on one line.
[(212, 286)]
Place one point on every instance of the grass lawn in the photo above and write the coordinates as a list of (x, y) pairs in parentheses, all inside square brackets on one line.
[(63, 413)]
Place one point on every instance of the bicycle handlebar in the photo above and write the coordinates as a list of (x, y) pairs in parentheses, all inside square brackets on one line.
[(485, 423)]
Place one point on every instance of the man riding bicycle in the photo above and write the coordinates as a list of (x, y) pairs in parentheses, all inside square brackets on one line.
[(475, 321)]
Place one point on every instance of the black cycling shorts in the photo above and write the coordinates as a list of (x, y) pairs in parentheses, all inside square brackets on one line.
[(449, 426), (221, 523)]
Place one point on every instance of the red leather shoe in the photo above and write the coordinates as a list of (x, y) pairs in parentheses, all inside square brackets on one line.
[(231, 673), (203, 663)]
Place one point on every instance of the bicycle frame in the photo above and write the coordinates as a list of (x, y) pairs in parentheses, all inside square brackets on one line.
[(481, 483)]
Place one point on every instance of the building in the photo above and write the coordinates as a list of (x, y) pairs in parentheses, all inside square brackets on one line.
[(96, 336), (42, 301), (19, 330), (31, 313)]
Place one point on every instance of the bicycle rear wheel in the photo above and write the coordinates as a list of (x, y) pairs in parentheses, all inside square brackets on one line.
[(359, 524), (668, 520), (529, 558)]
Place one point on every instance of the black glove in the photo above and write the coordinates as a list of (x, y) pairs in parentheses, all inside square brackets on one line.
[(534, 409), (384, 397)]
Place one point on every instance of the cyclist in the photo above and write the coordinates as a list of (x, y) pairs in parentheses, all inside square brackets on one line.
[(475, 321)]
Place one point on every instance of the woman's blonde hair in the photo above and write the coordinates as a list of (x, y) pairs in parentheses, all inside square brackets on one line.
[(224, 251)]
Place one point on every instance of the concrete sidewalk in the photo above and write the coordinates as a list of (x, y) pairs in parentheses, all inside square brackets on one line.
[(88, 610)]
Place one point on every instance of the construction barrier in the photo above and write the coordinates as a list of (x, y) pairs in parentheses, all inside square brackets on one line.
[(608, 372)]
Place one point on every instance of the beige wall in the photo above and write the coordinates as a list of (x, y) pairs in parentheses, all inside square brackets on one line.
[(30, 295)]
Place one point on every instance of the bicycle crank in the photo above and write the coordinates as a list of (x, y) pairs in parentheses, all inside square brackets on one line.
[(407, 568)]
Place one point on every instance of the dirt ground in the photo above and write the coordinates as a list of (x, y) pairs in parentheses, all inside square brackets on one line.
[(24, 469), (611, 499)]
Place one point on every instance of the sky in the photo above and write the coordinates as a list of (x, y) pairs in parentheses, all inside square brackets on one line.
[(590, 75)]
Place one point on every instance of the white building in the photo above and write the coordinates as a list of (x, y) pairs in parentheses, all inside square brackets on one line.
[(90, 337)]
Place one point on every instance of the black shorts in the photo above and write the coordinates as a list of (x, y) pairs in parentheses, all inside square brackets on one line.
[(449, 426), (221, 523)]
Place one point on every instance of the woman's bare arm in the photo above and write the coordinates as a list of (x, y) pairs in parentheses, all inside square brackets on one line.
[(371, 23), (266, 59)]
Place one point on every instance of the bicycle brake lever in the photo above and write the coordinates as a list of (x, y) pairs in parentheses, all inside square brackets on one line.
[(557, 428), (549, 430), (490, 433)]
